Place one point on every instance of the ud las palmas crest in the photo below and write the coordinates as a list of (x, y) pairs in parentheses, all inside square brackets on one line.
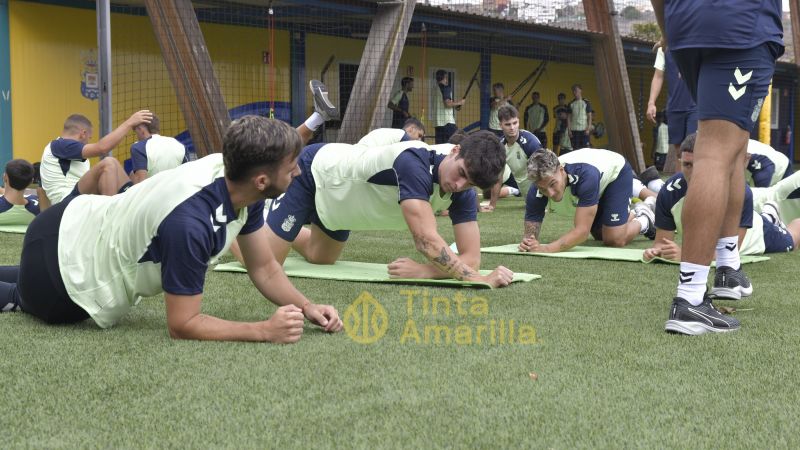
[(90, 79)]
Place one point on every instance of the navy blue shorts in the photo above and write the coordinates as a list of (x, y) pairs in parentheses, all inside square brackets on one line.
[(613, 209), (295, 208), (681, 124), (728, 84), (776, 239)]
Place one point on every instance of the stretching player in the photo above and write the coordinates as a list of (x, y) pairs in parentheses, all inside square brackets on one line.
[(785, 194), (16, 208), (154, 153), (413, 130), (765, 165), (601, 181), (354, 187), (758, 233), (96, 256), (66, 160), (520, 145)]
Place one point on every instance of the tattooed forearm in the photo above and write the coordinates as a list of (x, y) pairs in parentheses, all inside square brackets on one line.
[(443, 259), (422, 243), (448, 262), (532, 229)]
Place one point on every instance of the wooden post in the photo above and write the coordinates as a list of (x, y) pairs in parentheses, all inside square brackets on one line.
[(191, 72), (612, 82), (372, 89)]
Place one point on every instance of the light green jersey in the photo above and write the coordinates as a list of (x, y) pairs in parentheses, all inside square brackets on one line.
[(345, 198), (104, 242), (608, 163)]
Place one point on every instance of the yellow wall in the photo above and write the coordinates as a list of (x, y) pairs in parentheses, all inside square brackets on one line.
[(46, 46), (46, 43)]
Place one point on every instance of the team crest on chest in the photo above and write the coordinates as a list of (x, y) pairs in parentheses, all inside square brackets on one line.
[(288, 223)]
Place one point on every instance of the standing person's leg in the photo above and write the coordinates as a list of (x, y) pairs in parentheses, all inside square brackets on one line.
[(730, 86)]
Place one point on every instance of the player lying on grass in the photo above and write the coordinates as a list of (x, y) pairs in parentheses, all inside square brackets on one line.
[(758, 233), (413, 130), (785, 194), (96, 256), (765, 165), (396, 187), (601, 181)]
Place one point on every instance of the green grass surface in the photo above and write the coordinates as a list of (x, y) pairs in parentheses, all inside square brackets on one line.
[(608, 375)]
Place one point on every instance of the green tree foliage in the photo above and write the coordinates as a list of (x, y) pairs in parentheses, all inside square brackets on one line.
[(647, 31)]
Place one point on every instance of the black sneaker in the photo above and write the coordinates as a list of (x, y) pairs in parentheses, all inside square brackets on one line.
[(322, 104), (648, 175), (731, 284), (684, 318)]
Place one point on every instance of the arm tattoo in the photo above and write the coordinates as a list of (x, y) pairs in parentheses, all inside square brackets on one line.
[(443, 258), (532, 229), (453, 265)]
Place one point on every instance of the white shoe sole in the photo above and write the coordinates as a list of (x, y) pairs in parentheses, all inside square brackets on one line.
[(693, 328), (731, 293)]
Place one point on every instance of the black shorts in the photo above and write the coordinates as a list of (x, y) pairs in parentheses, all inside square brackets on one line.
[(42, 290)]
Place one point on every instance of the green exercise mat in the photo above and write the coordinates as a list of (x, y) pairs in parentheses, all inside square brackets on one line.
[(606, 253), (18, 229), (365, 272), (579, 252)]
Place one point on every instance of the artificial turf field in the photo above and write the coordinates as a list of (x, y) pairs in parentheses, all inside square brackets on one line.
[(607, 374)]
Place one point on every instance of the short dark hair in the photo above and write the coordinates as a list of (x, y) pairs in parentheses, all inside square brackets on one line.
[(457, 137), (414, 122), (154, 127), (498, 85), (405, 81), (75, 121), (506, 112), (484, 158), (535, 93), (688, 143), (20, 174), (576, 85), (440, 74), (562, 95), (252, 143)]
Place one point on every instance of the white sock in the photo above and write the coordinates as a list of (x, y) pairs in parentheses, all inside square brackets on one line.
[(314, 121), (655, 185), (692, 282), (636, 188), (512, 190), (651, 202), (728, 252), (643, 224)]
